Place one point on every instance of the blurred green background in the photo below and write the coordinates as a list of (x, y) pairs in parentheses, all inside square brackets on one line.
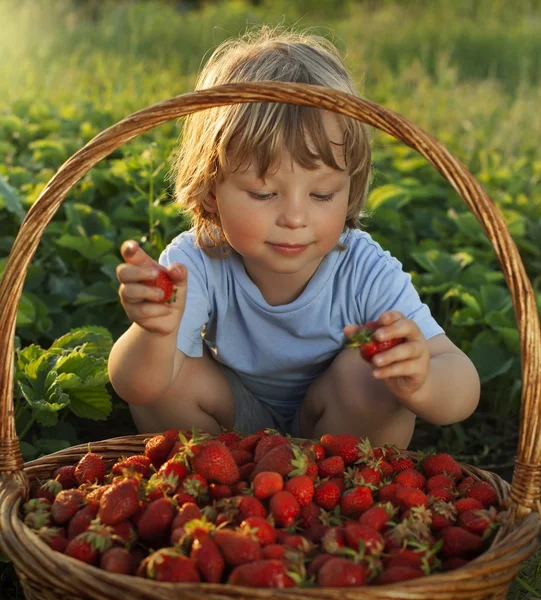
[(467, 71)]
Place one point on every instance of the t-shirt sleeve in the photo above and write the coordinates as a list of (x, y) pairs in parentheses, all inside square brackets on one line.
[(197, 311), (389, 287)]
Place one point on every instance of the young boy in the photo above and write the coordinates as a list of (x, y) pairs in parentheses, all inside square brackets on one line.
[(275, 276)]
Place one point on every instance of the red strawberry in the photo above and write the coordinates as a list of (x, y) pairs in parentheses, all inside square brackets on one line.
[(236, 547), (465, 504), (264, 573), (461, 543), (408, 497), (477, 521), (133, 464), (334, 540), (219, 490), (241, 457), (388, 492), (331, 467), (87, 546), (440, 481), (169, 564), (302, 487), (466, 484), (341, 572), (442, 463), (90, 469), (310, 513), (66, 504), (208, 559), (164, 283), (158, 447), (485, 493), (268, 443), (284, 459), (354, 502), (156, 519), (249, 442), (443, 515), (284, 508), (266, 484), (118, 560), (345, 445), (410, 478), (449, 564), (66, 476), (402, 463), (261, 528), (215, 463), (49, 489), (369, 345), (250, 507), (82, 518), (396, 573), (441, 494), (274, 551), (54, 537), (376, 517), (187, 512), (229, 438), (118, 503), (360, 536)]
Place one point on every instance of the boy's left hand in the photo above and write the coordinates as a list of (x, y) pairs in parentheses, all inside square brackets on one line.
[(403, 368)]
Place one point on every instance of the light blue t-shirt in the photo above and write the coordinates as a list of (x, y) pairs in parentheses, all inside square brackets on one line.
[(278, 351)]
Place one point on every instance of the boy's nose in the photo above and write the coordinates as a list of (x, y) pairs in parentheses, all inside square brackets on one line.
[(293, 213)]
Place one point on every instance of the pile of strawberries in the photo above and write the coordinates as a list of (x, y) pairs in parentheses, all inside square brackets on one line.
[(264, 510)]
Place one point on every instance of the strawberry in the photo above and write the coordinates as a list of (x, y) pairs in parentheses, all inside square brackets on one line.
[(249, 442), (345, 445), (54, 537), (331, 467), (259, 527), (274, 551), (87, 546), (461, 543), (49, 489), (333, 540), (169, 564), (443, 515), (369, 346), (341, 572), (450, 564), (66, 476), (236, 547), (214, 462), (90, 469), (440, 481), (229, 438), (354, 502), (119, 503), (82, 518), (363, 476), (442, 463), (264, 573), (310, 513), (302, 487), (219, 490), (396, 573), (361, 537), (158, 447), (133, 464), (477, 521), (250, 507), (208, 559), (164, 283), (484, 492), (66, 504), (466, 484), (118, 560), (169, 476), (186, 513), (284, 459), (401, 463), (268, 443), (266, 483), (388, 492), (410, 478), (465, 504), (441, 494), (376, 517), (156, 519), (284, 508), (407, 497), (241, 457)]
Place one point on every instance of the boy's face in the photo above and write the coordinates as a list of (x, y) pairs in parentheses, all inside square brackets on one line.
[(286, 223)]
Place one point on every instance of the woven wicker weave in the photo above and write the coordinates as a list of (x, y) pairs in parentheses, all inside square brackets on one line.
[(48, 575)]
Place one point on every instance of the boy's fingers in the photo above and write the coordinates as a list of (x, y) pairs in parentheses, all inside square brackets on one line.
[(133, 253), (127, 273), (178, 273), (350, 330)]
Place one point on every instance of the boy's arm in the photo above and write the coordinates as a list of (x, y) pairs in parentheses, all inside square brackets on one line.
[(451, 391), (144, 365)]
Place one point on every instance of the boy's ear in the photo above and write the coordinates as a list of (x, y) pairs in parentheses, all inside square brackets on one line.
[(209, 203)]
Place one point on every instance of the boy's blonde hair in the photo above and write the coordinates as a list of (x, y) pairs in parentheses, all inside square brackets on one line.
[(262, 130)]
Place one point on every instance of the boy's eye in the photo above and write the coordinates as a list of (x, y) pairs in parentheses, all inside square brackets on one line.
[(260, 196), (323, 197)]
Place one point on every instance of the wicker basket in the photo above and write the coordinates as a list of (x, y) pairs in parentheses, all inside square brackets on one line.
[(46, 574)]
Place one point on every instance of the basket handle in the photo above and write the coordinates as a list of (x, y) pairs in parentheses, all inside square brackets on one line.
[(526, 487)]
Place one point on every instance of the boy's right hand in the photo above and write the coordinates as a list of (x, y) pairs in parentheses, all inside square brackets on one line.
[(140, 300)]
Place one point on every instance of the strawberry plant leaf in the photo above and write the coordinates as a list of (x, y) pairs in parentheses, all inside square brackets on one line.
[(92, 247), (490, 359), (12, 202)]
